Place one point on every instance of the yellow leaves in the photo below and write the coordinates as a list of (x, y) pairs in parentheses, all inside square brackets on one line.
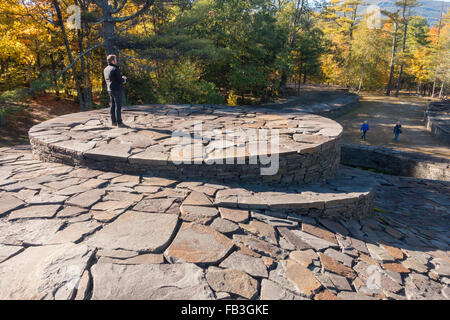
[(30, 59), (419, 64), (330, 69), (232, 99)]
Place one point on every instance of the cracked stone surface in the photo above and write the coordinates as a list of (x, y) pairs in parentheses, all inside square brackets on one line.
[(250, 265), (198, 244), (183, 281), (44, 272), (233, 281), (124, 236), (132, 231)]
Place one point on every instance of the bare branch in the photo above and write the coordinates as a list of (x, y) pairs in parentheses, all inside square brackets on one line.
[(59, 74), (120, 7), (147, 5)]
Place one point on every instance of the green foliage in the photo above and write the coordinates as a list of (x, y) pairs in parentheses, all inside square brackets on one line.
[(369, 57), (196, 51), (418, 33), (181, 83), (14, 96), (309, 47), (249, 42), (139, 88), (44, 82), (12, 101)]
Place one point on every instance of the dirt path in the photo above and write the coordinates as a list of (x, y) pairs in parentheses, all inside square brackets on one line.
[(382, 112)]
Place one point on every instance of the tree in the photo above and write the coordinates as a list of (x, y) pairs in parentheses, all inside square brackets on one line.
[(69, 52), (307, 52), (405, 6), (437, 47), (394, 18), (339, 22), (290, 13), (443, 55), (370, 56)]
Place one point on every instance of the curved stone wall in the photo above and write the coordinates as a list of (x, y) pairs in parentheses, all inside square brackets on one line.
[(341, 103), (309, 148), (396, 162), (349, 196), (437, 120)]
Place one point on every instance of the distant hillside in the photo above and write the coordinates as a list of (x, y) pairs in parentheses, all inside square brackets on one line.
[(429, 9)]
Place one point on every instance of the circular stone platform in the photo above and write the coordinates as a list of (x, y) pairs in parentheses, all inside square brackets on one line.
[(228, 144)]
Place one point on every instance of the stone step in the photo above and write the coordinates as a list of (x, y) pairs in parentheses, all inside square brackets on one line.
[(349, 196)]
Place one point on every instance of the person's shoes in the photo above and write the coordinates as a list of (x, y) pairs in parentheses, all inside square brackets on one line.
[(113, 123), (121, 125)]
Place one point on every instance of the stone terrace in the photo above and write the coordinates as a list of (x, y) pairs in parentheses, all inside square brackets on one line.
[(70, 232), (309, 144), (437, 120)]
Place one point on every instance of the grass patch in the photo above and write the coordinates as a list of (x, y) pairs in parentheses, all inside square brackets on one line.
[(379, 210)]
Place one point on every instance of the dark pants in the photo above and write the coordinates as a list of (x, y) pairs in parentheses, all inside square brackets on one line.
[(364, 134), (396, 134), (116, 106)]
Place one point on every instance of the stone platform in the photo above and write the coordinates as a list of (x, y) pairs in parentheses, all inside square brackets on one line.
[(396, 162), (437, 120), (70, 232), (349, 196), (153, 143)]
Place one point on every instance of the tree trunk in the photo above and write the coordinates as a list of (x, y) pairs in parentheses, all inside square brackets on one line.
[(108, 34), (2, 119), (437, 45), (392, 66), (297, 17), (361, 82), (441, 92), (69, 53), (405, 33), (55, 81)]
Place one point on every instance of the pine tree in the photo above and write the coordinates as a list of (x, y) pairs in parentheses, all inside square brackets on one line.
[(405, 7)]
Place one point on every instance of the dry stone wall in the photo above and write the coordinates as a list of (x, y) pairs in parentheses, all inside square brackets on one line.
[(437, 120), (396, 162)]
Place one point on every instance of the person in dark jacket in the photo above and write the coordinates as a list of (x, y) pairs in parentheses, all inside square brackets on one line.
[(397, 131), (364, 129), (114, 81)]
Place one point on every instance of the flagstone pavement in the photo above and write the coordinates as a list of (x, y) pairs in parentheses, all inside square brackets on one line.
[(76, 233)]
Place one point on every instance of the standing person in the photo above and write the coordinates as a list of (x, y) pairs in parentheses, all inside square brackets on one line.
[(397, 131), (114, 83), (364, 129)]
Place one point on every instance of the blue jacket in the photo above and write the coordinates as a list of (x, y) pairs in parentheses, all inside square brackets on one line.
[(398, 128), (364, 127)]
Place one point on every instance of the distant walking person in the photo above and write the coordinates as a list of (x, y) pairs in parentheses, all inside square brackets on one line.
[(397, 131), (364, 129), (114, 83)]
